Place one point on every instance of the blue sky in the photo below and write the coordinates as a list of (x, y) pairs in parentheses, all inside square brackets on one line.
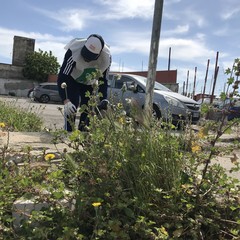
[(194, 30)]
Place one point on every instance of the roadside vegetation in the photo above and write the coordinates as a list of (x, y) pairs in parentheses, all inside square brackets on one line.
[(126, 178), (39, 65), (17, 119)]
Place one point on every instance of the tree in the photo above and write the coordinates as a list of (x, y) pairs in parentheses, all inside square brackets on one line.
[(39, 65)]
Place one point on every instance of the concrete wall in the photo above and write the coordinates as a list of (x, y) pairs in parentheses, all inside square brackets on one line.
[(10, 71), (21, 47), (16, 87), (12, 81)]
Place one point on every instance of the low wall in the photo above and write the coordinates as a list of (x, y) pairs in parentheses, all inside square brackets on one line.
[(10, 71), (16, 87)]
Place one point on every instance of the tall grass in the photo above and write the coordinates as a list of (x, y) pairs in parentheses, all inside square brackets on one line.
[(18, 119)]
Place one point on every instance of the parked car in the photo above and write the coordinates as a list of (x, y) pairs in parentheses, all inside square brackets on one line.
[(30, 93), (232, 106), (215, 103), (166, 103), (46, 92)]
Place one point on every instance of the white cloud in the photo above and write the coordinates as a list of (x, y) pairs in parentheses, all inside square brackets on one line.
[(128, 9), (131, 42), (70, 19), (180, 29), (230, 13), (186, 49)]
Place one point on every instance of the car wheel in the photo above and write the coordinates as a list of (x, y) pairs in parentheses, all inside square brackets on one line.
[(44, 99)]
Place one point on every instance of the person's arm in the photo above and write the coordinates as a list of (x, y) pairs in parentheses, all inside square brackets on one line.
[(65, 74)]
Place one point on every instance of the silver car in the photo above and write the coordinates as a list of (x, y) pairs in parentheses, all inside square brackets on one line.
[(166, 103), (46, 92)]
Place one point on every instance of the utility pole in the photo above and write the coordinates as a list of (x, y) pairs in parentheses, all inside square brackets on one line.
[(187, 83), (169, 59), (205, 82), (156, 28), (215, 78), (194, 84)]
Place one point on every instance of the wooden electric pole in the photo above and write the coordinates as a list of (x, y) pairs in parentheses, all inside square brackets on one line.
[(156, 28)]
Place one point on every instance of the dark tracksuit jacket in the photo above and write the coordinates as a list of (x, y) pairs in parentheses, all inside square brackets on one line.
[(75, 73)]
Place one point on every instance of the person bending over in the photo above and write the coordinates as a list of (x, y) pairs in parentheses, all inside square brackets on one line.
[(83, 59)]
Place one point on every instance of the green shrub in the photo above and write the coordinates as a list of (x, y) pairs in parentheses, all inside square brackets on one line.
[(39, 65)]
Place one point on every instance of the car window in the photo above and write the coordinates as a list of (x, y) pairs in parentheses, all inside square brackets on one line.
[(45, 86), (140, 89), (54, 87), (51, 87), (119, 83)]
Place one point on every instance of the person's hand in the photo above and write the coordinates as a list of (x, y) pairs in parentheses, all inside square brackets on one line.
[(69, 108)]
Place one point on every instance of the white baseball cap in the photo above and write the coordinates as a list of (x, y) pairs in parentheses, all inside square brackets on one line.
[(92, 47)]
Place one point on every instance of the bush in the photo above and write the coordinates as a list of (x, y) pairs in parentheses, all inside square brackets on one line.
[(39, 65)]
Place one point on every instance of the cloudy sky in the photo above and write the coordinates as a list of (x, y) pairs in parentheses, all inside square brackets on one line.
[(194, 30)]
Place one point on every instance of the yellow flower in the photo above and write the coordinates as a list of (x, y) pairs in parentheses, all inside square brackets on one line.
[(163, 231), (49, 156), (201, 133), (119, 105), (195, 147), (121, 120), (2, 125), (96, 204)]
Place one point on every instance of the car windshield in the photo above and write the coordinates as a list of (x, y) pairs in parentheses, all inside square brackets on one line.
[(157, 86)]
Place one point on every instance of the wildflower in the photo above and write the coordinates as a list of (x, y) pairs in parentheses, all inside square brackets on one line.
[(96, 204), (49, 156), (2, 125), (128, 100), (195, 147), (119, 105), (63, 85), (121, 120), (201, 133), (164, 231)]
